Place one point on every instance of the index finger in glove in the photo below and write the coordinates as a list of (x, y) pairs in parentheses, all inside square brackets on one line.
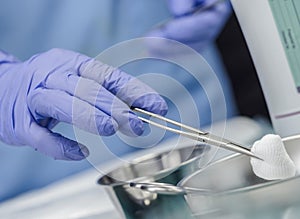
[(131, 90)]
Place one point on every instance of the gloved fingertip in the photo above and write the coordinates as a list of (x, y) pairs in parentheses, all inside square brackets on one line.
[(136, 125), (76, 151), (160, 108), (106, 126), (85, 151), (163, 109), (152, 102)]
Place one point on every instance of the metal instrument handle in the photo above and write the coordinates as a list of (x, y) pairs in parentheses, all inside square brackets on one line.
[(167, 189)]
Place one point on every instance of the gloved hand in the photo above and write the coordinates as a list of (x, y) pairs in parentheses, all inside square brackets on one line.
[(61, 85), (195, 30)]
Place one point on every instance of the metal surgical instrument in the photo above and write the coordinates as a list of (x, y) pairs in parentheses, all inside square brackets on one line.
[(195, 134)]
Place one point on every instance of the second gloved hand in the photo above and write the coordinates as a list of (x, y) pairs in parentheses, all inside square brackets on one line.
[(195, 30), (65, 86)]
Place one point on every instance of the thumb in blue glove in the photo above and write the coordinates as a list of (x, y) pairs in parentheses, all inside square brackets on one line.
[(194, 29), (65, 86)]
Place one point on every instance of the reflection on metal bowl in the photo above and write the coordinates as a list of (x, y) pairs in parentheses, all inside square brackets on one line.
[(168, 167)]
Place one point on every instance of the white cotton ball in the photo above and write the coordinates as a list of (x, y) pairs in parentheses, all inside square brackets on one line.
[(276, 162)]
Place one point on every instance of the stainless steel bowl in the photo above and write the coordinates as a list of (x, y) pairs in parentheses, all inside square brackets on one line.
[(238, 193), (169, 166)]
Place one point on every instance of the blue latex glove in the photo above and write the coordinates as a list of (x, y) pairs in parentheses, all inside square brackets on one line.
[(195, 30), (62, 85)]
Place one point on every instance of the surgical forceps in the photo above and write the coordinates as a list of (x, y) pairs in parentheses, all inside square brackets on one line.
[(195, 134)]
